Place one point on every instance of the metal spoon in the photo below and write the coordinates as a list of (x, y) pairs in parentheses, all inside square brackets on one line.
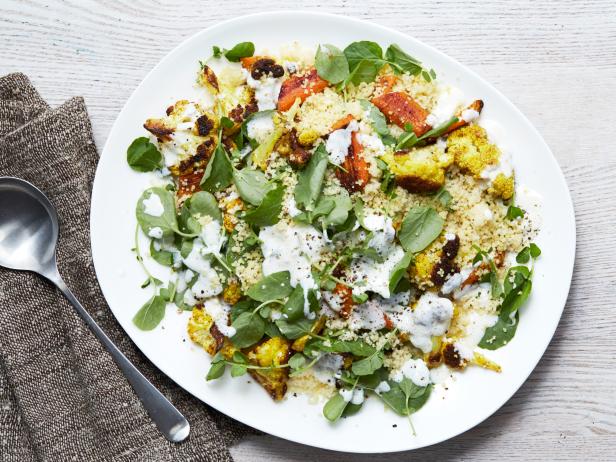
[(28, 236)]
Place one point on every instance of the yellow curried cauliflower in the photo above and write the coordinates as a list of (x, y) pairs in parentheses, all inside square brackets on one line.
[(419, 170), (471, 150), (199, 326), (273, 352), (502, 186)]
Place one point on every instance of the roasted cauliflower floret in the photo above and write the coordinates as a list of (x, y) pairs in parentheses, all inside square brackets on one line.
[(502, 186), (421, 271), (200, 327), (471, 150), (419, 170), (273, 352), (208, 79), (232, 293)]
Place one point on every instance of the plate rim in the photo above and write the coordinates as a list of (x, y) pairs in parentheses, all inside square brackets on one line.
[(568, 204)]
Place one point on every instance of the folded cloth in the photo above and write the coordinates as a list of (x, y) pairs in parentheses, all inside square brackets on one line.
[(61, 395)]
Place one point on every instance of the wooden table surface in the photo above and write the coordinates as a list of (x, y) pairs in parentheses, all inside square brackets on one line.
[(556, 60)]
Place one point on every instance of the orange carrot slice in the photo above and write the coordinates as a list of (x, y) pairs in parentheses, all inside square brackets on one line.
[(355, 175), (300, 87), (399, 108), (341, 123)]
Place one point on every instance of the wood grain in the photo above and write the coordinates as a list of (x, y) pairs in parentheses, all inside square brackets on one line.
[(555, 60)]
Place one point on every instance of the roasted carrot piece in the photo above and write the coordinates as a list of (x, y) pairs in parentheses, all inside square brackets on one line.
[(341, 123), (355, 175), (387, 82), (399, 108), (250, 60), (301, 86), (346, 297), (476, 105)]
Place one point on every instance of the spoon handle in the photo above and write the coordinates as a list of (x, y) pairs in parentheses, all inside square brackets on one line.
[(172, 424)]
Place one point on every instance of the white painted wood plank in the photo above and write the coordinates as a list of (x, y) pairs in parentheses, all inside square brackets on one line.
[(555, 60)]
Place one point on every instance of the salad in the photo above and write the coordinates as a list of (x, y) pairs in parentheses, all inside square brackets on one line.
[(340, 223)]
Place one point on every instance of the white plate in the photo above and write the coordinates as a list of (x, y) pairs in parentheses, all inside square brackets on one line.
[(475, 395)]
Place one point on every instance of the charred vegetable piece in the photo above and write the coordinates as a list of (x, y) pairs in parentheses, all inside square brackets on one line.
[(203, 331), (300, 87), (355, 175), (446, 266), (273, 352), (341, 123), (476, 106), (159, 129), (400, 109), (345, 293)]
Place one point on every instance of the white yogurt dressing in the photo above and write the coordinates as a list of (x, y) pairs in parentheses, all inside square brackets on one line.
[(415, 370), (476, 325), (152, 205), (347, 395), (338, 143), (260, 127), (292, 248), (369, 275), (430, 318), (327, 367), (498, 136), (156, 233), (219, 311), (266, 90), (449, 102)]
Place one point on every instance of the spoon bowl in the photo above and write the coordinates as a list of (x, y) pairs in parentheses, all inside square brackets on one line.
[(28, 227), (28, 236)]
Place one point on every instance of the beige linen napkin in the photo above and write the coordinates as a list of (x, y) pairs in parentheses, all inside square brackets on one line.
[(61, 395)]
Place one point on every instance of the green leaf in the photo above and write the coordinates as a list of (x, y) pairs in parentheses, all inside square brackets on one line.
[(217, 369), (369, 364), (151, 313), (243, 306), (443, 196), (310, 180), (331, 64), (166, 221), (405, 397), (241, 50), (535, 251), (402, 62), (334, 407), (514, 212), (272, 287), (249, 327), (355, 347), (365, 60), (420, 227), (163, 257), (399, 271), (340, 212), (252, 185), (203, 203), (294, 308), (268, 212), (297, 361), (524, 255), (500, 333), (219, 172), (295, 329), (379, 122), (143, 156), (439, 130)]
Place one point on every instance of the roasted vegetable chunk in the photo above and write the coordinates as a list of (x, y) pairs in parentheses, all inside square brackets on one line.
[(208, 79), (471, 149), (273, 352), (354, 175), (203, 331), (419, 170), (299, 87), (464, 116), (399, 108)]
